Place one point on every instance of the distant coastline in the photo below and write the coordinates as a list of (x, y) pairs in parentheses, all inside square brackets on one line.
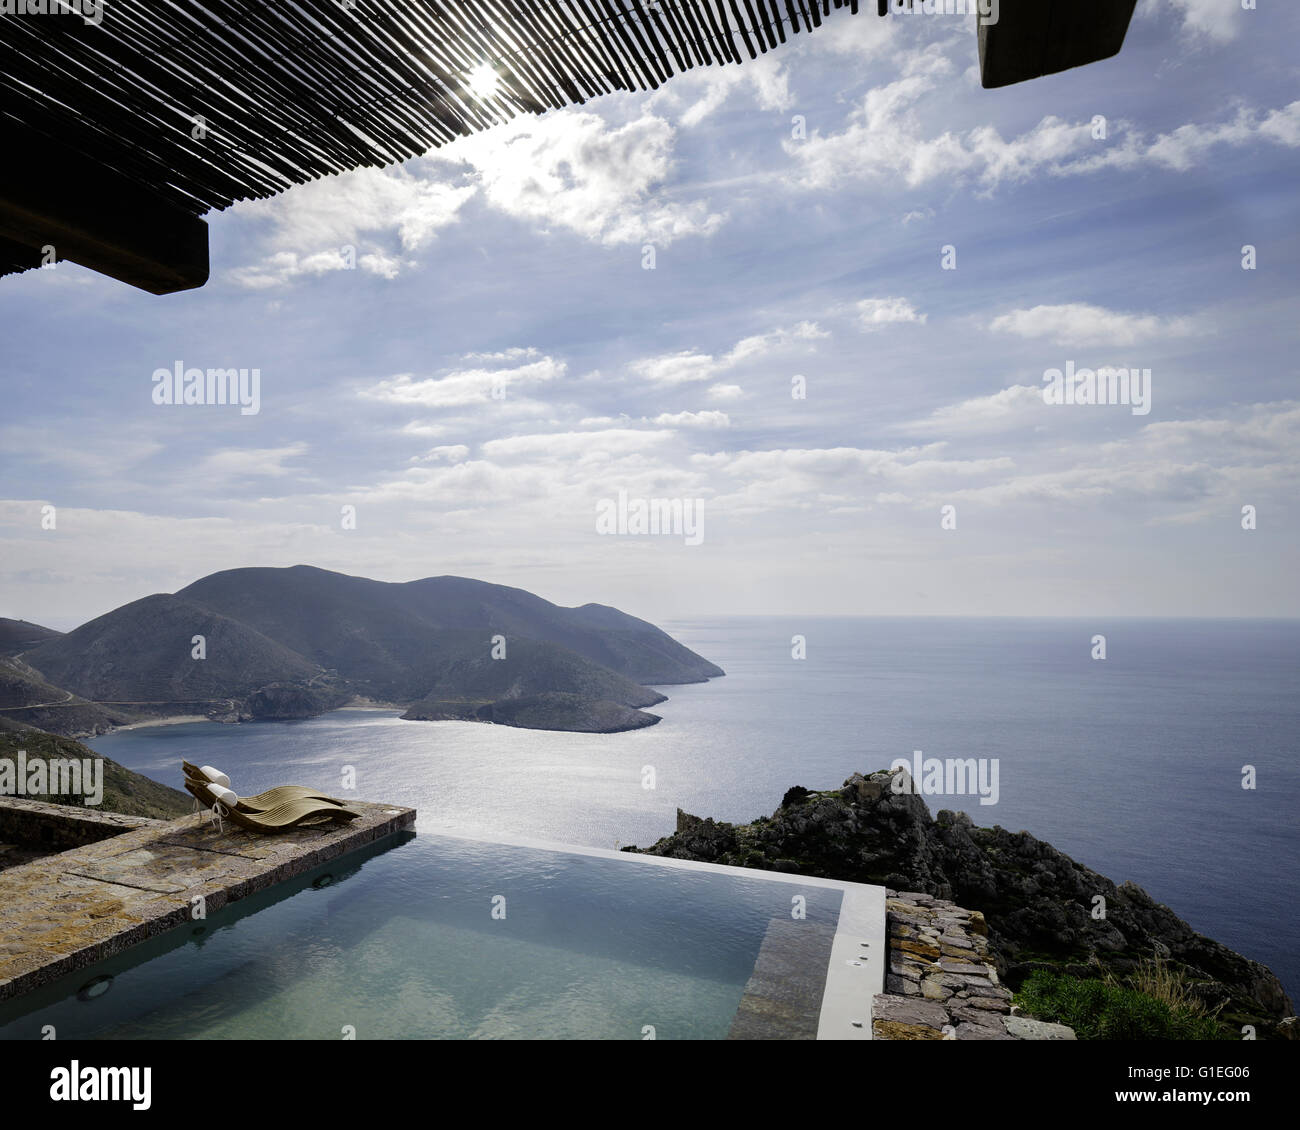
[(177, 720)]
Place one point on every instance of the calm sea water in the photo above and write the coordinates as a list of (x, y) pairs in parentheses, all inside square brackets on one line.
[(1132, 764)]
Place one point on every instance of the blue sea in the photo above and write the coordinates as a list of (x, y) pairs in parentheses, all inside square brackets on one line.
[(1132, 764)]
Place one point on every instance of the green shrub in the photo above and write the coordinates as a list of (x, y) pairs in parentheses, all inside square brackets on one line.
[(1102, 1010)]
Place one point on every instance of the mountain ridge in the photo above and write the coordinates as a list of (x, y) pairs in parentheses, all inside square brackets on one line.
[(280, 643), (17, 636)]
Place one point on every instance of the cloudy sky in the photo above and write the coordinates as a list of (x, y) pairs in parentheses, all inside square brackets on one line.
[(499, 359)]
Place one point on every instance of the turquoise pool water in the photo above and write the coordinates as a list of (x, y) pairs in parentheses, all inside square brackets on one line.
[(400, 941)]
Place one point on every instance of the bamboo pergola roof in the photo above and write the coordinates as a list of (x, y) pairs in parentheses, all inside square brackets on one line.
[(291, 90), (129, 129)]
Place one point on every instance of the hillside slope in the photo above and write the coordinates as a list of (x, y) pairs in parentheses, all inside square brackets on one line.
[(291, 643), (27, 699), (18, 635), (376, 631), (142, 653), (124, 791)]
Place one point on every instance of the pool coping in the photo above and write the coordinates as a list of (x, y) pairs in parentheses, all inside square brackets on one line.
[(855, 973), (69, 910)]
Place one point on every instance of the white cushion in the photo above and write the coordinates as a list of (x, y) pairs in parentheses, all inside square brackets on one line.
[(227, 796), (216, 776)]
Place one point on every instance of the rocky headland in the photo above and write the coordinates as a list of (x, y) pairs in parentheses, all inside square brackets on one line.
[(1038, 903)]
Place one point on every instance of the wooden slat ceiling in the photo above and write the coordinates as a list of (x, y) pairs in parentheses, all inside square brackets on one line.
[(292, 90)]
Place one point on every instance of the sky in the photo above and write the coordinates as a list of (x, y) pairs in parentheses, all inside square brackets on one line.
[(463, 358)]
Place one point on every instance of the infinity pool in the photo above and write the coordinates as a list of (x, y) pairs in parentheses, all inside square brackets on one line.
[(435, 937)]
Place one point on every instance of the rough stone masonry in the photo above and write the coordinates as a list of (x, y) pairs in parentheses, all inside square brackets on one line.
[(941, 983)]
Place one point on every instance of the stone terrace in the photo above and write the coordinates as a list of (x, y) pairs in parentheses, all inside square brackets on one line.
[(69, 910), (942, 984), (31, 829)]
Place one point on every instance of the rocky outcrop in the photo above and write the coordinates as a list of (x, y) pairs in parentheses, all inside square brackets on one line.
[(285, 701), (1038, 902)]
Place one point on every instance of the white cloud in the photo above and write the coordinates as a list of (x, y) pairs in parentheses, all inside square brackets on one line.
[(514, 353), (860, 39), (1195, 469), (424, 429), (312, 225), (724, 392), (1017, 406), (687, 366), (573, 169), (758, 344), (1217, 19), (1182, 148), (875, 313), (249, 462), (583, 446), (378, 263), (705, 90), (1283, 126), (570, 169), (677, 368), (797, 477), (887, 139), (1265, 429), (447, 453), (1080, 323), (462, 386), (706, 419)]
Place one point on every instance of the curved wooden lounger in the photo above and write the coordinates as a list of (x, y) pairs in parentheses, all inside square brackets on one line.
[(252, 804), (293, 813)]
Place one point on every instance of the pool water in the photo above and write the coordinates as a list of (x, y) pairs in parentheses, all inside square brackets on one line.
[(434, 937)]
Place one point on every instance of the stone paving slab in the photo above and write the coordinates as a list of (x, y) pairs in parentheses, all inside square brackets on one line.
[(165, 867), (67, 911)]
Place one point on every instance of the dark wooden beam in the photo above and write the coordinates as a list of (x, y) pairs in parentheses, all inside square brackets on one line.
[(15, 257), (1042, 37), (94, 215)]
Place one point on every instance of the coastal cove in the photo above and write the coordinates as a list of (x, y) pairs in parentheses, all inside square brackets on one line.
[(1132, 765)]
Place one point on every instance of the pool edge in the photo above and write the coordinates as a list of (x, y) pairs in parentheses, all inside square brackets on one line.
[(139, 912)]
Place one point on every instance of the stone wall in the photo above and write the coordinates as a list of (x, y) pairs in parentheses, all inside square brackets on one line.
[(57, 827), (941, 983)]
